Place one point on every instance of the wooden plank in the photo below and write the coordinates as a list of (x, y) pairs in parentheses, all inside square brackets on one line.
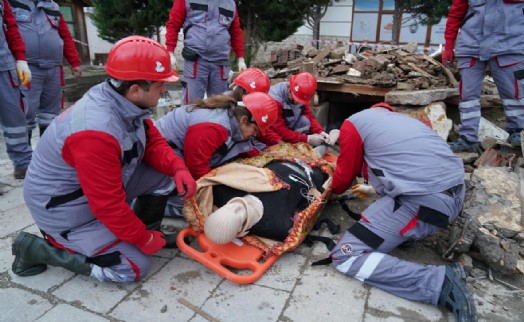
[(356, 89)]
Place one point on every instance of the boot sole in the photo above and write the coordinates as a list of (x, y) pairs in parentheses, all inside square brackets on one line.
[(33, 270)]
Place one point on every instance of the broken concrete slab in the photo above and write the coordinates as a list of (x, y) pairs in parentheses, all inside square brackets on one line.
[(467, 157), (488, 129), (423, 97), (433, 115), (491, 220)]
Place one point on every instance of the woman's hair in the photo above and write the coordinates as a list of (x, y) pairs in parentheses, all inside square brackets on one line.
[(122, 87), (223, 102), (237, 92)]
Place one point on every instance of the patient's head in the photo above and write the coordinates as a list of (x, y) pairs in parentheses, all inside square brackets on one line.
[(234, 219)]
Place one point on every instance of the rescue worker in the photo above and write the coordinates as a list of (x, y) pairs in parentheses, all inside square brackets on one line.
[(249, 81), (48, 41), (491, 34), (14, 72), (94, 160), (211, 29), (295, 121), (421, 187), (210, 132)]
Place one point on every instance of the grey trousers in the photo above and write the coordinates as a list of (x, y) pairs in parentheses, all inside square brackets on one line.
[(388, 222), (508, 74), (201, 77), (12, 120)]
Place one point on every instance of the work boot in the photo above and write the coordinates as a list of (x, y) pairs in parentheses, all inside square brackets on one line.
[(33, 254), (150, 209), (463, 145), (455, 296), (514, 139), (19, 173)]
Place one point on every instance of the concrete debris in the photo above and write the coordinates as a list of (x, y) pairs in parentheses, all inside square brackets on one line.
[(491, 220), (423, 97), (405, 66), (467, 157), (488, 129)]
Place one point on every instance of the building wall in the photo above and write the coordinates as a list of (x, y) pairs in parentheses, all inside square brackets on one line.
[(96, 44)]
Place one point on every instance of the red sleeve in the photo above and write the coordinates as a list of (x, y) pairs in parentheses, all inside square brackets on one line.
[(12, 35), (286, 134), (270, 137), (249, 154), (177, 15), (70, 52), (456, 15), (315, 127), (159, 155), (201, 142), (237, 37), (96, 158), (350, 160)]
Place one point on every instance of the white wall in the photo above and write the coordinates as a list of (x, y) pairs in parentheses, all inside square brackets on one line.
[(96, 44), (335, 23)]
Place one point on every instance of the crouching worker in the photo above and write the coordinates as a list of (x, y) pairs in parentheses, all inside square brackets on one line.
[(296, 123), (216, 130), (265, 214), (421, 184), (94, 160)]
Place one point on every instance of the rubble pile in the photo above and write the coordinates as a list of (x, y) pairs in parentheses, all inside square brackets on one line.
[(490, 227), (399, 68)]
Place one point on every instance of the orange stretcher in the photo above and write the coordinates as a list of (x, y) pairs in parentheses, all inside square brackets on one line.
[(245, 260), (226, 260)]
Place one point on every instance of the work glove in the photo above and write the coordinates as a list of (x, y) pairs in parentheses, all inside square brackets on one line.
[(23, 71), (315, 139), (362, 191), (185, 184), (325, 136), (77, 71), (155, 243), (448, 56), (174, 65), (241, 64)]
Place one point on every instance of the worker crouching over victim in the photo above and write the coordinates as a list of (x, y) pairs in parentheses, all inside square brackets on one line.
[(421, 187), (94, 160), (210, 132)]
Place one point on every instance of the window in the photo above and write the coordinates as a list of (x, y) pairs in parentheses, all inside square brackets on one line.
[(67, 12)]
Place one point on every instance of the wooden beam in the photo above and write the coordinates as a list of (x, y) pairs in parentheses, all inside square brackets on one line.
[(355, 89)]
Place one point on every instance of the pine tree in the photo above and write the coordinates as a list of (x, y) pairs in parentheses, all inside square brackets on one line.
[(118, 19)]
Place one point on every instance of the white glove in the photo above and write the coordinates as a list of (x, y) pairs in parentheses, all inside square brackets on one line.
[(325, 136), (362, 191), (174, 66), (241, 64), (315, 139), (23, 71)]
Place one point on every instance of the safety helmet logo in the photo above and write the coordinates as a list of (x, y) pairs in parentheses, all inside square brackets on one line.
[(253, 85), (264, 118), (159, 67)]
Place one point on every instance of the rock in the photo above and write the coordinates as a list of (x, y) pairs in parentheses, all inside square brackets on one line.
[(410, 47), (502, 261), (466, 261), (423, 97), (311, 52), (436, 112), (467, 157), (488, 129), (520, 266), (477, 272)]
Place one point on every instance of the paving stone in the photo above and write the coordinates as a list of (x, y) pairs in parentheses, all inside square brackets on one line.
[(384, 301), (6, 259), (97, 296), (52, 277), (333, 296), (20, 305), (14, 219), (369, 317), (68, 313), (180, 278), (284, 273), (232, 302), (12, 199)]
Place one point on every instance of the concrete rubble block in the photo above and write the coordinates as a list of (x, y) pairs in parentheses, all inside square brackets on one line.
[(410, 47), (433, 115), (488, 129), (491, 220), (378, 61), (423, 97), (337, 53), (310, 52), (467, 157)]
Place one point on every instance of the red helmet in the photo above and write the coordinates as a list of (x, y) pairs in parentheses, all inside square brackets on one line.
[(253, 80), (303, 87), (263, 108), (140, 58)]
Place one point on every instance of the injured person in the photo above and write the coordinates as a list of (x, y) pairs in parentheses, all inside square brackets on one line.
[(264, 214)]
